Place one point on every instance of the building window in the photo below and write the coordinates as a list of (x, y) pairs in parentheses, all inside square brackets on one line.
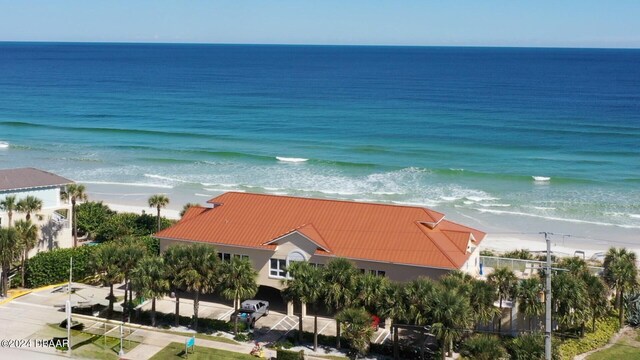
[(375, 272), (316, 265), (277, 268), (240, 256), (226, 257)]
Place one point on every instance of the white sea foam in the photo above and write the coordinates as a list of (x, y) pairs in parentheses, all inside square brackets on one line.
[(204, 195), (481, 198), (578, 221), (223, 190), (635, 216), (450, 198), (491, 205), (292, 160), (386, 193), (160, 177), (541, 178), (4, 145), (543, 208), (161, 186)]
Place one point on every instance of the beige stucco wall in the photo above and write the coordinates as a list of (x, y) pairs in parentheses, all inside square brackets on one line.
[(296, 242), (472, 265)]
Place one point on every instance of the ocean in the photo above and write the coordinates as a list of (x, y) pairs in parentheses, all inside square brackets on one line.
[(549, 136)]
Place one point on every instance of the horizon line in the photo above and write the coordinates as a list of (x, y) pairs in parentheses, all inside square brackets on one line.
[(319, 45)]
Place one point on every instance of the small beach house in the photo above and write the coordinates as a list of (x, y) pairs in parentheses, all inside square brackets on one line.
[(399, 242), (54, 230)]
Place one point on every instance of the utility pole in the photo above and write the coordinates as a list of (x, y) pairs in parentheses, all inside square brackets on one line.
[(69, 306), (547, 300)]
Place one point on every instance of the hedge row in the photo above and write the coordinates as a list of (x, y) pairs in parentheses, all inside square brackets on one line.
[(290, 355), (52, 267), (605, 329)]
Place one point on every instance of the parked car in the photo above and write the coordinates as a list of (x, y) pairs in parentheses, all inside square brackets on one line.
[(251, 310)]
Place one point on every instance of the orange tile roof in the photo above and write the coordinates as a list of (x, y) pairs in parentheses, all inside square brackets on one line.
[(356, 230)]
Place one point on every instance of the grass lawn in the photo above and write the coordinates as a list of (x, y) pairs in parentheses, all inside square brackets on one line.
[(204, 337), (618, 352), (84, 345), (176, 351)]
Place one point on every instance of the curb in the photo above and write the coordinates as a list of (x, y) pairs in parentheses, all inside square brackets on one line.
[(29, 291)]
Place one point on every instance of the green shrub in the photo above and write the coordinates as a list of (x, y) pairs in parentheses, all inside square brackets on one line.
[(241, 337), (52, 267), (290, 355), (605, 329), (483, 347), (526, 347), (92, 216)]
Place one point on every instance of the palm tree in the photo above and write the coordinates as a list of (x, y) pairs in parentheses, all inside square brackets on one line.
[(370, 289), (305, 284), (569, 300), (482, 298), (598, 292), (150, 280), (394, 308), (186, 207), (9, 252), (357, 328), (175, 259), (528, 294), (340, 279), (158, 201), (505, 282), (620, 273), (9, 205), (451, 315), (28, 235), (238, 281), (419, 295), (29, 205), (131, 252), (200, 274), (74, 193), (106, 264)]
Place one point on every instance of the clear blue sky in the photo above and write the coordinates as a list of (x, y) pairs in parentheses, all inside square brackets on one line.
[(564, 23)]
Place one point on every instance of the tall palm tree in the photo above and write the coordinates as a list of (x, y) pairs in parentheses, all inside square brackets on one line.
[(482, 298), (9, 204), (9, 252), (340, 279), (451, 315), (598, 293), (131, 252), (569, 300), (106, 263), (505, 282), (74, 193), (29, 205), (200, 274), (620, 273), (395, 308), (158, 201), (370, 289), (238, 281), (528, 294), (175, 259), (305, 284), (575, 265), (28, 235), (150, 280)]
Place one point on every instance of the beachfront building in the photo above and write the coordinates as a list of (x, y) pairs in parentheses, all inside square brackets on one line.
[(54, 230), (399, 242)]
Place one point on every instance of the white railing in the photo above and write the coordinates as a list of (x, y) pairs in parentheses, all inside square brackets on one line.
[(522, 265), (57, 218)]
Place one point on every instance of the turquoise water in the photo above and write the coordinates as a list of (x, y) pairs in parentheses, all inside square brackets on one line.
[(463, 130)]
